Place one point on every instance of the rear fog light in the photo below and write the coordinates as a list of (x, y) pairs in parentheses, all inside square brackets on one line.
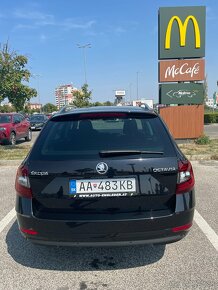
[(181, 228), (29, 231)]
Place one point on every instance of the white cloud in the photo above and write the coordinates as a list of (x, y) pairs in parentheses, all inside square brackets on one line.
[(71, 24), (38, 19), (32, 15)]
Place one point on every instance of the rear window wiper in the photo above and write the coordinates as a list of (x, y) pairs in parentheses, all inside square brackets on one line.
[(108, 153)]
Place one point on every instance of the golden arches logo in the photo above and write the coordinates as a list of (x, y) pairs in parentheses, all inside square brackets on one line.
[(183, 31)]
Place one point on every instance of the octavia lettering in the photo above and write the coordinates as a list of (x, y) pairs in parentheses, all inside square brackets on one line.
[(166, 169)]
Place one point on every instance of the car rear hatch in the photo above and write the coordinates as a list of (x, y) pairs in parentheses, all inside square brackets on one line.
[(103, 165)]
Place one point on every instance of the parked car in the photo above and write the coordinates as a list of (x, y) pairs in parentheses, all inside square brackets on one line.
[(37, 121), (14, 127), (49, 115), (89, 182)]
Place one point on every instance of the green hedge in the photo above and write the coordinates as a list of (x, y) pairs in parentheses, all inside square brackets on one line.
[(210, 118)]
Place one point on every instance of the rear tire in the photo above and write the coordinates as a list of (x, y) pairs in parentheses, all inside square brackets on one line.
[(29, 136), (12, 140)]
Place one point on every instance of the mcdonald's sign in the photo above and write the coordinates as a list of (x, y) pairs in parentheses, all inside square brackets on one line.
[(182, 32)]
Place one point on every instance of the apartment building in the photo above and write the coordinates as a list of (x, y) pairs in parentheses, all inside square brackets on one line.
[(35, 106), (64, 95)]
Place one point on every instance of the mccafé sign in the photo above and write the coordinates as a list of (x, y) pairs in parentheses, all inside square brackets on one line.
[(181, 70), (181, 32)]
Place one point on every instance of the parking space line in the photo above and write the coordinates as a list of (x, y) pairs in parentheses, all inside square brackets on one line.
[(7, 219), (206, 229)]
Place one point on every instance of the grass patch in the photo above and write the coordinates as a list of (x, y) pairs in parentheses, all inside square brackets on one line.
[(203, 140), (197, 149), (9, 152)]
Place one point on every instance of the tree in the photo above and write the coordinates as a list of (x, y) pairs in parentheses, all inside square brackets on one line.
[(49, 108), (96, 104), (6, 109), (82, 97), (108, 103), (13, 74)]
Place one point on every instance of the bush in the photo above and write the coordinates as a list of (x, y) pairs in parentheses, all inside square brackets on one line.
[(203, 140), (210, 118), (214, 157)]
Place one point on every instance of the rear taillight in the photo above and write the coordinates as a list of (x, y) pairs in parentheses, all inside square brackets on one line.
[(22, 183), (185, 180)]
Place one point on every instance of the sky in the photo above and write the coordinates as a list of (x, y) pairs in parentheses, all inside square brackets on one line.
[(124, 40)]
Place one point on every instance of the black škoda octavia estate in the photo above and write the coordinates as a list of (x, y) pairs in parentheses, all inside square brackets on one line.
[(105, 176)]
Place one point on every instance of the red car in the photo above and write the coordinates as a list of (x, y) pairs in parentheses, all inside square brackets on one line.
[(14, 126)]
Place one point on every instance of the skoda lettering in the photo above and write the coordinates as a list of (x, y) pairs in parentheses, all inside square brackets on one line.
[(40, 173)]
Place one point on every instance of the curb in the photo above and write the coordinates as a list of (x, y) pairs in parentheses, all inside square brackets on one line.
[(199, 157)]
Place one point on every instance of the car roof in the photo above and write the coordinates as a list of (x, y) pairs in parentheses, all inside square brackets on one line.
[(103, 109), (8, 114)]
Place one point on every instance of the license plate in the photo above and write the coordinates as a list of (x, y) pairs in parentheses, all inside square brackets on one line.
[(103, 187), (33, 128)]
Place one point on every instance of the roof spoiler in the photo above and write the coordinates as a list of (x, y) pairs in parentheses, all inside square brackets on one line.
[(67, 109)]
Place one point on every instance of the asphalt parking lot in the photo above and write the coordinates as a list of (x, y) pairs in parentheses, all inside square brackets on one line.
[(35, 134), (211, 130), (189, 264)]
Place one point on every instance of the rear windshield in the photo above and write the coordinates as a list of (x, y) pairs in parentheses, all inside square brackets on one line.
[(71, 137), (5, 119), (37, 118)]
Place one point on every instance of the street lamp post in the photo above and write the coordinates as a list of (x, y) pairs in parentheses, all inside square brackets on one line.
[(130, 92), (137, 84), (88, 45), (38, 91), (214, 100)]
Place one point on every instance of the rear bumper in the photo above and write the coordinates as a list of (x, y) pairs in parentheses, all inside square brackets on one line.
[(134, 230), (162, 240), (36, 127), (3, 138)]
